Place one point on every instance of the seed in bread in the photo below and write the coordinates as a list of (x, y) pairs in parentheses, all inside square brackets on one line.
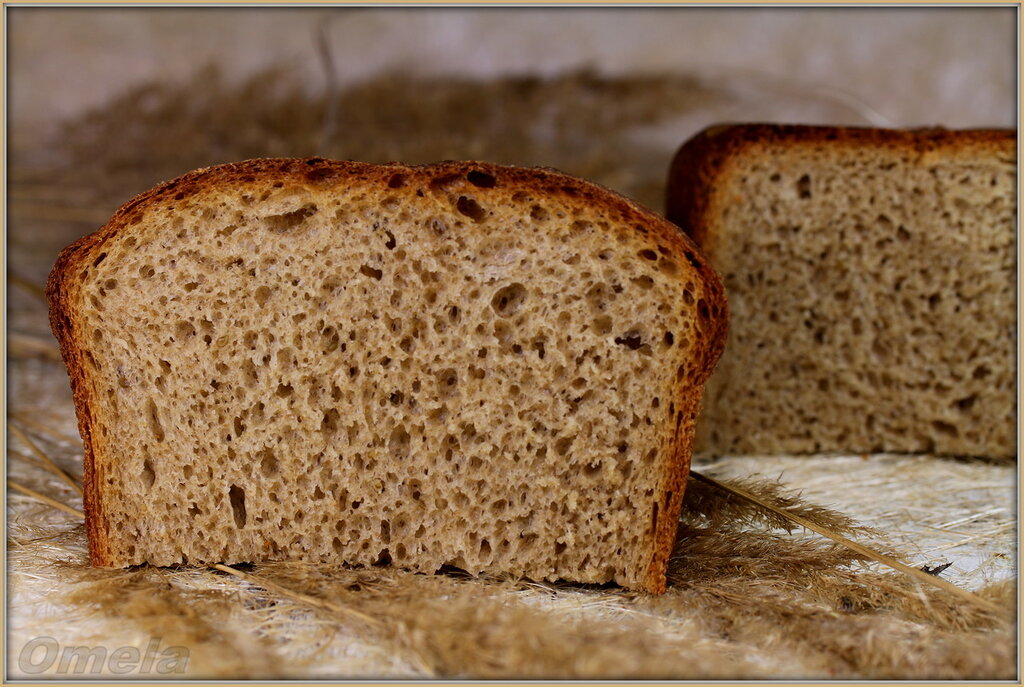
[(871, 278), (462, 364)]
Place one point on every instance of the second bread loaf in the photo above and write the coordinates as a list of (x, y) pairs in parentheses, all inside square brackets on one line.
[(871, 278)]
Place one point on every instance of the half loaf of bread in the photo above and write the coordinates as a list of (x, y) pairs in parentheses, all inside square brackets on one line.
[(871, 278), (492, 368)]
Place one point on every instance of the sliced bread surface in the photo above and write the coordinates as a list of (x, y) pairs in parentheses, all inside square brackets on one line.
[(871, 279), (492, 368)]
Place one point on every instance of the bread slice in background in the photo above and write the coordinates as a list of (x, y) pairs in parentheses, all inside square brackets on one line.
[(871, 279), (487, 367)]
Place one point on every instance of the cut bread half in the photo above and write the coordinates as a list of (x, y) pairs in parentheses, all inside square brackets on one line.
[(871, 277), (486, 367)]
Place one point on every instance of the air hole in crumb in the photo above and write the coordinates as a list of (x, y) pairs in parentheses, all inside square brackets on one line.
[(329, 340), (100, 258), (268, 462), (289, 220), (447, 381), (560, 548), (371, 272), (331, 420), (509, 299), (263, 295), (603, 324), (965, 403), (153, 416), (391, 242), (236, 495), (648, 254), (183, 330), (630, 340), (502, 331), (148, 475), (470, 208), (702, 309), (803, 187), (396, 181), (399, 442), (538, 213), (481, 179), (644, 282)]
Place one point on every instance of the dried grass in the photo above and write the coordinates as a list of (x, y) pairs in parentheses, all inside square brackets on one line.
[(739, 599), (748, 595)]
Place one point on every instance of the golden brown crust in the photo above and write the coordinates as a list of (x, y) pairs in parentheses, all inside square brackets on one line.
[(58, 295), (711, 308), (693, 191)]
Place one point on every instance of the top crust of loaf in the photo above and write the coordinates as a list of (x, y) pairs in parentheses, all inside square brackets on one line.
[(692, 186), (62, 285)]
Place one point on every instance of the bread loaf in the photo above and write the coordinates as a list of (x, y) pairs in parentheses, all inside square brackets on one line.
[(486, 367), (871, 279)]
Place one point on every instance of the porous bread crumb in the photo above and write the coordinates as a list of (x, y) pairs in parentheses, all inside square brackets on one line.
[(421, 366), (871, 279)]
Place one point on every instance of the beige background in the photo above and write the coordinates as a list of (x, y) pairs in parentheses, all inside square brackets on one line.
[(897, 66)]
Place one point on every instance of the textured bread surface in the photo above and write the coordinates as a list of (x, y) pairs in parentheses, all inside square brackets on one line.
[(492, 368), (871, 280)]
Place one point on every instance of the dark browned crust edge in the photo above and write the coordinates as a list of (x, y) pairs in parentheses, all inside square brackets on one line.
[(692, 192), (712, 317), (59, 298)]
